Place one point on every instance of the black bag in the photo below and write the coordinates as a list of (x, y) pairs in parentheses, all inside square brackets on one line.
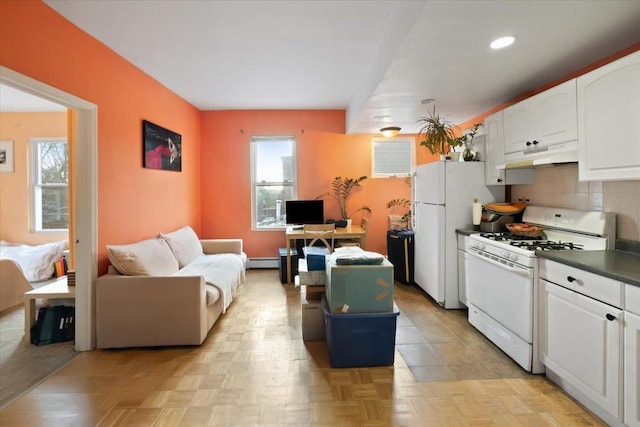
[(55, 324)]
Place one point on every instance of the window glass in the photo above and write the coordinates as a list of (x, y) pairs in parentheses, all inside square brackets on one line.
[(50, 177), (273, 172)]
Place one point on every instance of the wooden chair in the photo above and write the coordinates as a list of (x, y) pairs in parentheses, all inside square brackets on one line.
[(324, 233)]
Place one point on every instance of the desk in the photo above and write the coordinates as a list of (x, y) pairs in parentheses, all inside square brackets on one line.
[(57, 289), (353, 232)]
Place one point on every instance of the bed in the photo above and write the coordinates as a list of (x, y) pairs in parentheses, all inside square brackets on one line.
[(25, 267)]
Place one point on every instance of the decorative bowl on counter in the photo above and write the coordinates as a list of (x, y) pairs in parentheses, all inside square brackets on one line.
[(524, 229)]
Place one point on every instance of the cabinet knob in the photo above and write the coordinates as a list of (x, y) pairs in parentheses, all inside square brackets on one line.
[(499, 179), (535, 142), (571, 279), (611, 317), (528, 143)]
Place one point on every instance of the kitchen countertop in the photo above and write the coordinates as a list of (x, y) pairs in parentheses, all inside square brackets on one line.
[(615, 264), (466, 231)]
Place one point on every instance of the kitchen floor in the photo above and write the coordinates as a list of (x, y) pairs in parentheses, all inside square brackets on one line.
[(254, 369)]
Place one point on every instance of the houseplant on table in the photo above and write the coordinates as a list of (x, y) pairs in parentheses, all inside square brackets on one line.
[(341, 188)]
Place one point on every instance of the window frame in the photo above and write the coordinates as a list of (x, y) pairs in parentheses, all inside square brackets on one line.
[(255, 140), (35, 186)]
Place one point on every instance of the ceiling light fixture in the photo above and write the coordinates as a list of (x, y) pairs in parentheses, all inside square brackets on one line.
[(390, 131), (502, 42)]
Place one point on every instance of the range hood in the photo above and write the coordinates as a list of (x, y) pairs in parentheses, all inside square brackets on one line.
[(548, 158)]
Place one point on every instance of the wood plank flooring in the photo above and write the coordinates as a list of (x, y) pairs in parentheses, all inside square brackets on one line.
[(255, 370)]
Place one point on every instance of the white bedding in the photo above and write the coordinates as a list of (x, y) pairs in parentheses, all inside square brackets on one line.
[(36, 261), (224, 271)]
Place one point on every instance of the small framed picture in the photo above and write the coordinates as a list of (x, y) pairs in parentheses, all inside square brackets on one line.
[(162, 148), (6, 156)]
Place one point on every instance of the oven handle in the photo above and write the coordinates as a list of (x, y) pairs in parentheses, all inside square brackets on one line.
[(522, 271)]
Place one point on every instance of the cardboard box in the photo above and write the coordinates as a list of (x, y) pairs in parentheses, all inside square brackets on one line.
[(360, 339), (360, 288), (313, 292), (312, 319)]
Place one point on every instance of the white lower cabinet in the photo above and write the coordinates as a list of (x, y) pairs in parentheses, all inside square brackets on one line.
[(632, 356), (631, 369), (581, 344)]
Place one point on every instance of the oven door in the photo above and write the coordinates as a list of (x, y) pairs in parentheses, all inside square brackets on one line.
[(504, 292)]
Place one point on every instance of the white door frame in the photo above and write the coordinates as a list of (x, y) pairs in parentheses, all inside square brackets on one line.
[(86, 244)]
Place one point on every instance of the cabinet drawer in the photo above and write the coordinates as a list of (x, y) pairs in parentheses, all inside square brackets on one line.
[(595, 286), (632, 299)]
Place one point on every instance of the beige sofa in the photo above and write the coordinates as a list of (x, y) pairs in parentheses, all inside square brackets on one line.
[(168, 290)]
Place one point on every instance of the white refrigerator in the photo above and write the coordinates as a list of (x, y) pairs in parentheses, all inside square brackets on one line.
[(443, 194)]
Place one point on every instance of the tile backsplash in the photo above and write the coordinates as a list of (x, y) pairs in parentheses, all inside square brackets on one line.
[(558, 186)]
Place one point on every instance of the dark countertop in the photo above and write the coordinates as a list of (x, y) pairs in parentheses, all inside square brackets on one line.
[(466, 231), (615, 264)]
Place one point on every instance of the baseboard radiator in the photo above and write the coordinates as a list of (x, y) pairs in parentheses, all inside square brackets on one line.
[(262, 263)]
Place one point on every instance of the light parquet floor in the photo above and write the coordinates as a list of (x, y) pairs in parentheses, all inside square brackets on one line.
[(255, 370)]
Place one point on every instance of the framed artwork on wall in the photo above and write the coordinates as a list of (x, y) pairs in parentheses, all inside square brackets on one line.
[(162, 148), (6, 156)]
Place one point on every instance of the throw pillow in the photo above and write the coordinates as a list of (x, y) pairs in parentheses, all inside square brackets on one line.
[(151, 257), (184, 244)]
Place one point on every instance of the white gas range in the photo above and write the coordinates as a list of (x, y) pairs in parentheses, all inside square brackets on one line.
[(502, 275)]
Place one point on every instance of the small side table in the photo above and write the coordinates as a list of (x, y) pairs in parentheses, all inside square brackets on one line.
[(57, 289)]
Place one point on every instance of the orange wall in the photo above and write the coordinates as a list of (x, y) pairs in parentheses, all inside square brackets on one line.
[(133, 202), (15, 211), (323, 151)]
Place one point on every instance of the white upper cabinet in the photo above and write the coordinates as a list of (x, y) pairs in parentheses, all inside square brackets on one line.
[(494, 149), (494, 155), (544, 120), (609, 121)]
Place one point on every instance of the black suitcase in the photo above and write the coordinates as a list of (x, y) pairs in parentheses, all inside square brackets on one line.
[(400, 248), (55, 324)]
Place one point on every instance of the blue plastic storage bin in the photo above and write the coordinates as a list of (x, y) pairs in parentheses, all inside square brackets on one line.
[(360, 339)]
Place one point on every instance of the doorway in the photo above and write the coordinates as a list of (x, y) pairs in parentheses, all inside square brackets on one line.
[(84, 130)]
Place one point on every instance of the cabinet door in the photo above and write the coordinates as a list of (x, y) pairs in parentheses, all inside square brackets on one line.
[(557, 115), (609, 121), (580, 341), (518, 126), (631, 369), (494, 149)]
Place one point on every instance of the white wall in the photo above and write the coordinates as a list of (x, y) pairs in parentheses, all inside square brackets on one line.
[(558, 186)]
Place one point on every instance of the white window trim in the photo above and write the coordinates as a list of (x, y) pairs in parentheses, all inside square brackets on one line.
[(253, 141), (389, 141), (34, 186)]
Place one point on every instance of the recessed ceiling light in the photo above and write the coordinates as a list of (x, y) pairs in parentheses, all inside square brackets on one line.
[(502, 42)]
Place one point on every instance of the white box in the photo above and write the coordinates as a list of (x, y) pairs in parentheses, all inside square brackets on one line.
[(312, 319), (310, 277)]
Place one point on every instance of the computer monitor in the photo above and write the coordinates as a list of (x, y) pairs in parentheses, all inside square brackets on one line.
[(304, 212)]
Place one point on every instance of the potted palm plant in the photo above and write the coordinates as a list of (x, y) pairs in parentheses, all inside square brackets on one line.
[(438, 134), (341, 188)]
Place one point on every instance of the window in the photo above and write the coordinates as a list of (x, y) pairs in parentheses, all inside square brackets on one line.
[(49, 184), (273, 176), (391, 157)]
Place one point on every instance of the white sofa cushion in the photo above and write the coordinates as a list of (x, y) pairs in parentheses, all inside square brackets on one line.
[(151, 257), (184, 244)]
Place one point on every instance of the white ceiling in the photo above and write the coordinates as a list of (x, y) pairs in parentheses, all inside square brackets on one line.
[(376, 59), (15, 101)]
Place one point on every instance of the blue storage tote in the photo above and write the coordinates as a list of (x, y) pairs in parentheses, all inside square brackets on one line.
[(364, 288), (360, 339)]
